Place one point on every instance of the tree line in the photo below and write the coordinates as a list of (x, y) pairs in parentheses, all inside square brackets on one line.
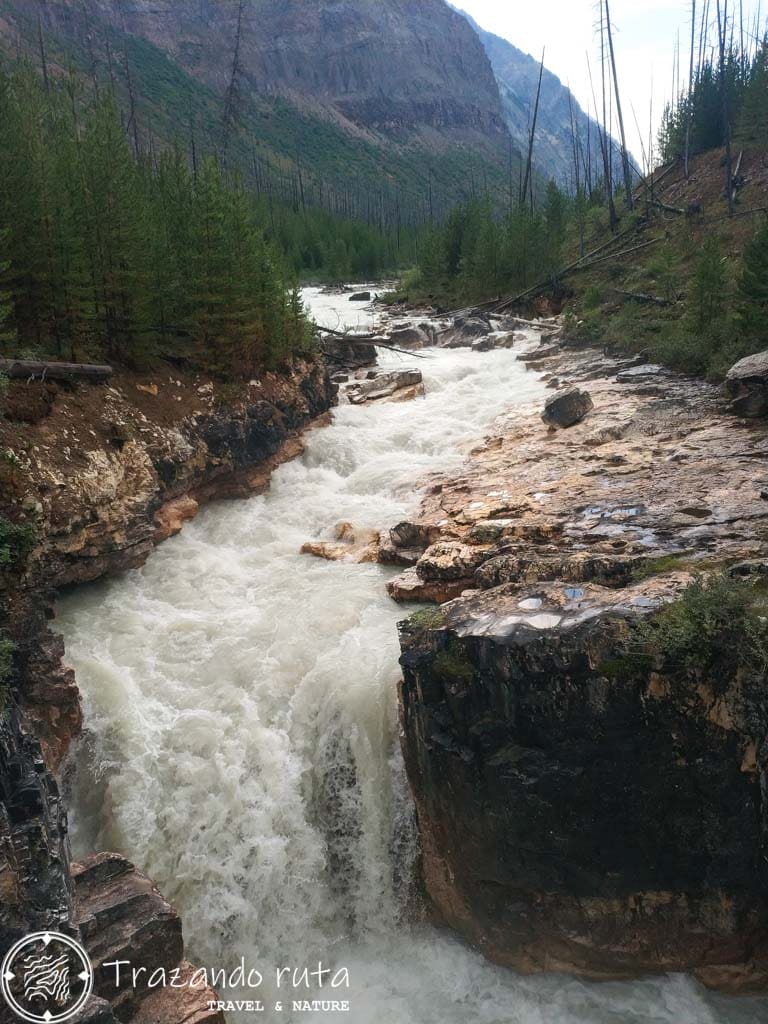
[(106, 254), (727, 97), (479, 252)]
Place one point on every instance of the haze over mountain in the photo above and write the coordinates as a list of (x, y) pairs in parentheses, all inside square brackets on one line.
[(517, 75)]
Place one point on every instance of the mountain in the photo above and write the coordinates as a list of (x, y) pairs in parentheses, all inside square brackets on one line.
[(517, 74), (368, 102)]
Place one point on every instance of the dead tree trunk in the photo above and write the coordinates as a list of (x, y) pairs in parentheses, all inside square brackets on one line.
[(689, 101), (529, 161), (624, 151), (722, 28)]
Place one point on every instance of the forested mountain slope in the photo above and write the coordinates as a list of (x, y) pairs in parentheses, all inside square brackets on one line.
[(366, 106)]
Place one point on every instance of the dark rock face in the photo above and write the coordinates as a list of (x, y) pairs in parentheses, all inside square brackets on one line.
[(746, 384), (566, 408), (377, 63), (464, 332), (577, 813), (35, 889), (360, 297)]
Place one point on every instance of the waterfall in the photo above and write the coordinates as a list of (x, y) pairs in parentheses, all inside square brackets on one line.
[(241, 731)]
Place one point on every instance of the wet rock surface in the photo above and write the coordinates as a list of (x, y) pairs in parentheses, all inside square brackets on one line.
[(122, 917), (384, 384), (579, 811), (464, 332)]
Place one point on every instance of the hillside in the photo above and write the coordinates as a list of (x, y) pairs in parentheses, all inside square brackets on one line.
[(358, 105), (675, 294)]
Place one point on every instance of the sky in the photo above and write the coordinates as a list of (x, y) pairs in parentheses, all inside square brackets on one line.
[(645, 40)]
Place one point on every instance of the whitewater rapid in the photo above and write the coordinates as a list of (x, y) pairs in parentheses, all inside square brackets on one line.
[(241, 732)]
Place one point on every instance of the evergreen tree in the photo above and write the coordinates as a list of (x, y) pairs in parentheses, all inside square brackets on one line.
[(707, 300), (753, 288)]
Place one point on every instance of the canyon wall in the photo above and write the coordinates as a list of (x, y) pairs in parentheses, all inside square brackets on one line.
[(586, 803), (100, 475)]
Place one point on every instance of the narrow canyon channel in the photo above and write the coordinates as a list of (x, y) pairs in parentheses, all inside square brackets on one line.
[(241, 741)]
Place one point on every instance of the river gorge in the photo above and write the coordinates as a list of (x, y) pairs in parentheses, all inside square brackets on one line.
[(240, 735)]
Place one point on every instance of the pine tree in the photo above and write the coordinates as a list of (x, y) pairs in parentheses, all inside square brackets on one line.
[(708, 287), (753, 288)]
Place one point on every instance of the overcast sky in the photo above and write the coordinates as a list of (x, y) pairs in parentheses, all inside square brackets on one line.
[(645, 38)]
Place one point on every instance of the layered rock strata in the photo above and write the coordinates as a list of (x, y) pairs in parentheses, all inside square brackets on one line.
[(94, 478), (580, 809)]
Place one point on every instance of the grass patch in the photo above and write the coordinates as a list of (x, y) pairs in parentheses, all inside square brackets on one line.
[(661, 565), (426, 619)]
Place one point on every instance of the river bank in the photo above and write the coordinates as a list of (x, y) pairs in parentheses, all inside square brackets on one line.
[(93, 479)]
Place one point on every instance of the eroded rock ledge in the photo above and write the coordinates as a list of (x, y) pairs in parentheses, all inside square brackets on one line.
[(103, 474), (581, 810)]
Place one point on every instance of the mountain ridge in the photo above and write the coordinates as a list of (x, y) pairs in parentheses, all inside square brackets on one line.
[(369, 96), (517, 75)]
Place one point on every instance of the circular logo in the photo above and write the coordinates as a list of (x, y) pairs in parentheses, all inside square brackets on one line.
[(46, 978)]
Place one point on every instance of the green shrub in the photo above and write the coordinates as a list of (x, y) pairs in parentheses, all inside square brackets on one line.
[(592, 297), (16, 540), (7, 650), (452, 664), (426, 619), (715, 621)]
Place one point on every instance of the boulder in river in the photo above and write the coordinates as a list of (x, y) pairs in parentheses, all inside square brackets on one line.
[(567, 407), (350, 544), (464, 332), (383, 385), (746, 384), (360, 297), (413, 336), (346, 351)]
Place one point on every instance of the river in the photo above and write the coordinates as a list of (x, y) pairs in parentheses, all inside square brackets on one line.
[(241, 735)]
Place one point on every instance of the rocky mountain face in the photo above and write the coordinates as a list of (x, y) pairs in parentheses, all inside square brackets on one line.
[(381, 65), (517, 75), (379, 92)]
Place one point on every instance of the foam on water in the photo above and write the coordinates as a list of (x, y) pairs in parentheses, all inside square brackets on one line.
[(241, 741)]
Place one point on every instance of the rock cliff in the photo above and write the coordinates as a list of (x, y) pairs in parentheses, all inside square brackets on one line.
[(93, 478), (582, 806)]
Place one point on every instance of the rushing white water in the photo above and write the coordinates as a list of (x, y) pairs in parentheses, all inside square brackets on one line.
[(241, 738)]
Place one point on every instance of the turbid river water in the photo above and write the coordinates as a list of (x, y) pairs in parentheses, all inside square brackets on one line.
[(241, 745)]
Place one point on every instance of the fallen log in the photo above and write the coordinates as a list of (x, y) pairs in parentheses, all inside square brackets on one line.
[(654, 300), (667, 208), (34, 369), (369, 339)]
